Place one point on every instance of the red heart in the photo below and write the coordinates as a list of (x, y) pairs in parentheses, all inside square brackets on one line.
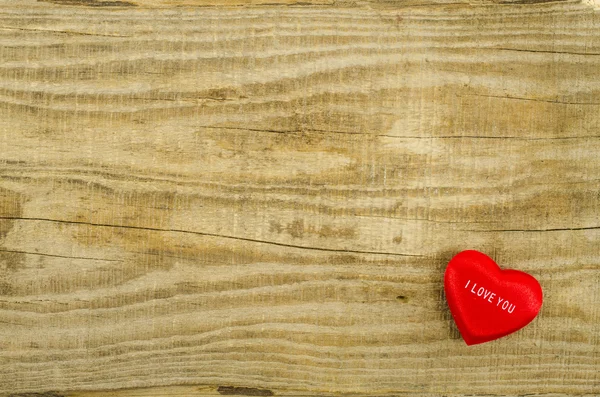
[(487, 302)]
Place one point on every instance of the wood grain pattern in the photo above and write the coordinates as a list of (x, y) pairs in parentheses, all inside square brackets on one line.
[(219, 201)]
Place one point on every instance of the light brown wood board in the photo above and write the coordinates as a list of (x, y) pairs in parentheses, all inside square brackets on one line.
[(260, 198)]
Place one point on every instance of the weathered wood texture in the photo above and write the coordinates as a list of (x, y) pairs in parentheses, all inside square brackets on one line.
[(266, 197)]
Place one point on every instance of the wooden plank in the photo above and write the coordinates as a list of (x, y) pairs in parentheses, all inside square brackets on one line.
[(263, 199)]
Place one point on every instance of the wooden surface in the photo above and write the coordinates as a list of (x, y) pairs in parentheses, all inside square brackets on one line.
[(261, 200)]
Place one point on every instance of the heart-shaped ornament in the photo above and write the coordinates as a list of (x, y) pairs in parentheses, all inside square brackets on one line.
[(487, 302)]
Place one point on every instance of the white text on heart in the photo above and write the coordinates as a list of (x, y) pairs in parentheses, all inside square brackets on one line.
[(488, 295)]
